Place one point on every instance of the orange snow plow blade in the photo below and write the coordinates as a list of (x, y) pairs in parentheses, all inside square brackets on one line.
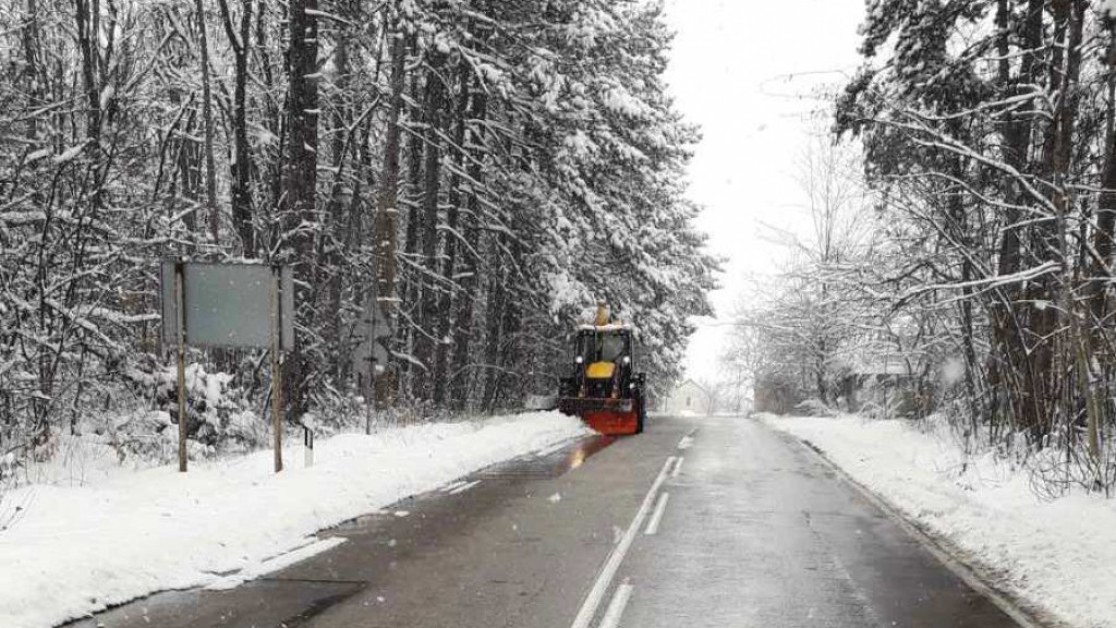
[(613, 417), (610, 422)]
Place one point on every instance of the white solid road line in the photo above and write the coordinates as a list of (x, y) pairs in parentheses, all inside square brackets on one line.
[(677, 467), (616, 606), (612, 564), (464, 487), (275, 563), (660, 508)]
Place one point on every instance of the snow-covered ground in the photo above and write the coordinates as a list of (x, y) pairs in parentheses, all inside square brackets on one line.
[(1058, 555), (74, 549)]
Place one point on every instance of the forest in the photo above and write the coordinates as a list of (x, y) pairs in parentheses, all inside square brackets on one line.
[(960, 255), (453, 181)]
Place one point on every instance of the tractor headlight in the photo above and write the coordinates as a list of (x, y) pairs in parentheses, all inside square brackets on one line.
[(627, 360), (578, 360)]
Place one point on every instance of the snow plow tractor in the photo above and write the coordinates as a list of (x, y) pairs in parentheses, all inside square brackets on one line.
[(605, 390)]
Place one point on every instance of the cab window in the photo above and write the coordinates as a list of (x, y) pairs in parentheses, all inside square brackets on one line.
[(606, 347), (612, 347)]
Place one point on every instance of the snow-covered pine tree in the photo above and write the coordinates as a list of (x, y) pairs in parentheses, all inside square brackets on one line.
[(455, 182)]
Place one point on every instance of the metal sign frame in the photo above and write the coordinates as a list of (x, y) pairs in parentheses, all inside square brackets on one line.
[(195, 286), (227, 305)]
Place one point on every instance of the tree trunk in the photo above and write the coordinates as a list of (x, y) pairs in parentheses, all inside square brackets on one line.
[(300, 180), (207, 121), (87, 38), (271, 159), (386, 234), (460, 375), (494, 327), (445, 306), (1042, 401), (241, 157), (412, 200), (335, 244), (1011, 357), (427, 287)]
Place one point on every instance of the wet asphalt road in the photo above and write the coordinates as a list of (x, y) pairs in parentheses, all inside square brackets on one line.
[(746, 529)]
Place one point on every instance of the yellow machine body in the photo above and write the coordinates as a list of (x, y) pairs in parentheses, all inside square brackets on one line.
[(600, 370)]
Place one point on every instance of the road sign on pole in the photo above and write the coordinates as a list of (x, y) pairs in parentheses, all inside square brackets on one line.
[(228, 305)]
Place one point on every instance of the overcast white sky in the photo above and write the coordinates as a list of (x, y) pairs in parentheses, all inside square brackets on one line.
[(747, 72)]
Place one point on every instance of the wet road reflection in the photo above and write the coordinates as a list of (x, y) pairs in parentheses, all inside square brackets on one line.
[(586, 448), (377, 543)]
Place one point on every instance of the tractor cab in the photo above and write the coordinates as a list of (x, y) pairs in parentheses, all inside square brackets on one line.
[(600, 352), (604, 390)]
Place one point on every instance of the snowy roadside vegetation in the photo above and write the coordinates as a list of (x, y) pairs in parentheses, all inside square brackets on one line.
[(70, 548), (1054, 554), (957, 252), (452, 184)]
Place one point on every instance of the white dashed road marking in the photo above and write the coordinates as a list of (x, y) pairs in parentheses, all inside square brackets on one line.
[(677, 467), (660, 508), (616, 606), (612, 564)]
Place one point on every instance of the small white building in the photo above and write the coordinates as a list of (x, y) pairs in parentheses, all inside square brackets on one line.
[(689, 399)]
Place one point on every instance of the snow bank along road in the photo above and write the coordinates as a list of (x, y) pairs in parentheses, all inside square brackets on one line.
[(698, 522), (1057, 556), (73, 550)]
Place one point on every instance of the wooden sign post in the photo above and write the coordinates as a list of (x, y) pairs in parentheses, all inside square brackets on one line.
[(276, 373), (228, 305), (180, 333)]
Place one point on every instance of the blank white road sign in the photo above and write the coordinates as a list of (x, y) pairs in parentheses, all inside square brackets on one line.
[(228, 305)]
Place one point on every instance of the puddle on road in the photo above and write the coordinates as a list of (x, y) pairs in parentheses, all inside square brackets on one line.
[(553, 465)]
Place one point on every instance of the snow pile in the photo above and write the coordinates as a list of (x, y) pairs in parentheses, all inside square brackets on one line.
[(69, 551), (1056, 555)]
